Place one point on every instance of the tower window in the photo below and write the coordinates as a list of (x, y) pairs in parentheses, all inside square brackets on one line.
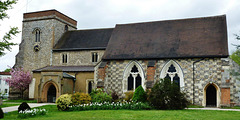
[(94, 57), (64, 58), (37, 35), (66, 28)]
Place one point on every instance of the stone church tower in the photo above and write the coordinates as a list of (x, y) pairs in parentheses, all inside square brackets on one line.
[(40, 32)]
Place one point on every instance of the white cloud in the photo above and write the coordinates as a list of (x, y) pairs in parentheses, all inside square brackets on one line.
[(108, 13)]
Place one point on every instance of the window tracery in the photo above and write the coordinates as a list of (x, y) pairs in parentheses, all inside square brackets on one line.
[(133, 76), (173, 72)]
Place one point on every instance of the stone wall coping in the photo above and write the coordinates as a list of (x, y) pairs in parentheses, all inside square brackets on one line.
[(49, 13)]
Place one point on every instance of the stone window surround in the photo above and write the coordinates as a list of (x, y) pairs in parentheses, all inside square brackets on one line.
[(179, 71), (127, 72)]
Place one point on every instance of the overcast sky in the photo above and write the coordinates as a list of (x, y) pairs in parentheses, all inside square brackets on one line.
[(107, 13)]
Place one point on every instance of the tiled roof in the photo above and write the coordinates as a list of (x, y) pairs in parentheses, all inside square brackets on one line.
[(84, 40), (185, 38), (67, 68)]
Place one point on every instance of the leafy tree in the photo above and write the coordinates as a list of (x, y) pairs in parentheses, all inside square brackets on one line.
[(5, 43), (236, 56), (20, 80), (7, 70), (167, 95)]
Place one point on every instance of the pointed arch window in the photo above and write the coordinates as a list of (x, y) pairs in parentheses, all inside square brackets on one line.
[(133, 76), (173, 75), (66, 28), (134, 79), (173, 72), (37, 35)]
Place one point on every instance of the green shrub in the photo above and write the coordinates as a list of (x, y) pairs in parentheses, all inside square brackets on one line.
[(139, 95), (1, 113), (100, 97), (128, 96), (24, 106), (166, 95), (63, 102), (80, 98), (114, 96)]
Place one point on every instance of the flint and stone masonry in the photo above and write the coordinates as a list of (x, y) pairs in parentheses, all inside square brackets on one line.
[(192, 52)]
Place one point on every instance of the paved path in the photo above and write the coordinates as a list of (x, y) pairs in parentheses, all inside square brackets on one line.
[(213, 109), (32, 105)]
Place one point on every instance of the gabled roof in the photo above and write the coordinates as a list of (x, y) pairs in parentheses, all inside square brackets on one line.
[(66, 68), (186, 38), (84, 40)]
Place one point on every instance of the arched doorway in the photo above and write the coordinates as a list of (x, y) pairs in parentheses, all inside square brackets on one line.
[(51, 94), (211, 96)]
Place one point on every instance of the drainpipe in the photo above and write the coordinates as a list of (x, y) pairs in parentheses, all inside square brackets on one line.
[(194, 78), (74, 81)]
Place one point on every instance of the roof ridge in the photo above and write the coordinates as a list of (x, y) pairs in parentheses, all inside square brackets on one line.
[(90, 29), (180, 19)]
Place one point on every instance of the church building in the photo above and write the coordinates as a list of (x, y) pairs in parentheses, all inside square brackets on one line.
[(190, 52)]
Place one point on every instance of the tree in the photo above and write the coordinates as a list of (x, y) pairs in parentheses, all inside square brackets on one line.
[(5, 43), (238, 38), (20, 80), (7, 70), (167, 95), (236, 56)]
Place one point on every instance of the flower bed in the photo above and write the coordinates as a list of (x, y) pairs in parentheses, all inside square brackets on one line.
[(31, 113), (111, 106)]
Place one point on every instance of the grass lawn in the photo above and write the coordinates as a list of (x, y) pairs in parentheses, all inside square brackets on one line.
[(9, 105), (235, 107), (20, 101), (54, 114)]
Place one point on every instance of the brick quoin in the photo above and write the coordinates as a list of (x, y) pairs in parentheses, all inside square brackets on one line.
[(101, 73), (150, 73), (225, 97)]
